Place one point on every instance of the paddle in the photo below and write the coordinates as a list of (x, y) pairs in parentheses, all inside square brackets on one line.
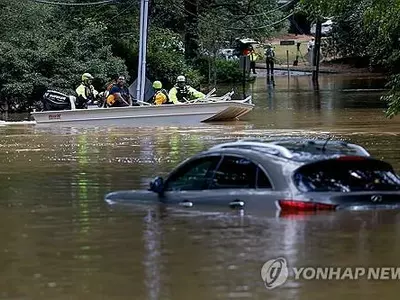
[(205, 97)]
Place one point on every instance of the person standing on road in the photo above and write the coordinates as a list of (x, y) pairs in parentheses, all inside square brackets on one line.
[(269, 59), (253, 58)]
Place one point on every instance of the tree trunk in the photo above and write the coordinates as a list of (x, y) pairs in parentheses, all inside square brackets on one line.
[(191, 28), (215, 66), (209, 71), (317, 47)]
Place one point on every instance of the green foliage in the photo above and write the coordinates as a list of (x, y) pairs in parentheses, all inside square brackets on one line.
[(228, 70), (222, 21), (393, 96), (34, 54), (166, 59), (51, 45), (223, 70), (349, 36)]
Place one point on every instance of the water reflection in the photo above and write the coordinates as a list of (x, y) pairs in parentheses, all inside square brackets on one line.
[(83, 185), (152, 234), (333, 93)]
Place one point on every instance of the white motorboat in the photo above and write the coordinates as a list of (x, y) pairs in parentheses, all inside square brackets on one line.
[(209, 109)]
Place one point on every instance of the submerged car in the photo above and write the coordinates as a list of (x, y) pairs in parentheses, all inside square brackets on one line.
[(288, 175)]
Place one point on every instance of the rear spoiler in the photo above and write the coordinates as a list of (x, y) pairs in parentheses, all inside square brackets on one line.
[(346, 159)]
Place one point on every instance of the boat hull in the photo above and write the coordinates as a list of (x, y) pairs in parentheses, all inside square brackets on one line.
[(149, 115)]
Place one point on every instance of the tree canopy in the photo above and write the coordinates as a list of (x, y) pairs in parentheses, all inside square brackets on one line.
[(46, 45)]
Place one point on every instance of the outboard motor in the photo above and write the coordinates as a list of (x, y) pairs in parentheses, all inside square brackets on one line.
[(53, 100)]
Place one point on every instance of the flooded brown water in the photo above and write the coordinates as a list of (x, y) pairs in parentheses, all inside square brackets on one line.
[(60, 240)]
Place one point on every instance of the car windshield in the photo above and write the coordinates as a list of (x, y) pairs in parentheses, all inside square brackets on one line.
[(347, 176)]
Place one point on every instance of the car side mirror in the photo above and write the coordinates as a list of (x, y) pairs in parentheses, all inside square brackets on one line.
[(157, 185)]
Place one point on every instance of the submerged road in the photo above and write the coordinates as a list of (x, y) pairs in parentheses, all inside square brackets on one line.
[(61, 240)]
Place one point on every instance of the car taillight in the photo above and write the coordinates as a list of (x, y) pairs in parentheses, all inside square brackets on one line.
[(296, 205)]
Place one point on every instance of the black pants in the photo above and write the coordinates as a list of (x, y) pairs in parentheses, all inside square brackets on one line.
[(119, 103), (81, 102), (270, 66), (253, 66)]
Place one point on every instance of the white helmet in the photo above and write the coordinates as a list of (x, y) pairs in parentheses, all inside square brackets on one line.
[(181, 79), (87, 76)]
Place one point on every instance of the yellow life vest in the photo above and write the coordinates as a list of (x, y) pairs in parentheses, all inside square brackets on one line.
[(160, 98), (253, 56), (110, 100)]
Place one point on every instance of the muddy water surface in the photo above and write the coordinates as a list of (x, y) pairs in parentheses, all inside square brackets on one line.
[(60, 240)]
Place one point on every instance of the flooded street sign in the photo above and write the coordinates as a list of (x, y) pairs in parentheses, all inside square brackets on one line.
[(287, 43)]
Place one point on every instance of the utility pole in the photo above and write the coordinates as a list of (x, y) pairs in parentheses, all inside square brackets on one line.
[(141, 80), (316, 50)]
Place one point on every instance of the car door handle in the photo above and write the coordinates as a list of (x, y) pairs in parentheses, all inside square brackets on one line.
[(186, 203), (236, 204)]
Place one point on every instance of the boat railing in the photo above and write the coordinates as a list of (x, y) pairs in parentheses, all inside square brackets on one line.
[(72, 100), (249, 99), (143, 103), (209, 98), (212, 98), (209, 94)]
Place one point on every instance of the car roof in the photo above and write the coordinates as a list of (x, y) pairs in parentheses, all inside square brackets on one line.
[(297, 151)]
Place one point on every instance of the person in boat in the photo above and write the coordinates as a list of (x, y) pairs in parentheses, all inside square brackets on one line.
[(182, 92), (85, 91), (112, 83), (119, 94), (160, 94), (104, 95)]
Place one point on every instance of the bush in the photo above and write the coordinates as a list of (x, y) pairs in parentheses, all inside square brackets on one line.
[(228, 70), (225, 70), (165, 59)]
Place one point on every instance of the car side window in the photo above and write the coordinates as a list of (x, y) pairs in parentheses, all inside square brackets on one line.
[(194, 175), (235, 172)]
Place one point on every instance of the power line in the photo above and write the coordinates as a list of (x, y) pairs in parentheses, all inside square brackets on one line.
[(133, 2), (267, 12), (122, 12), (254, 15), (265, 26), (75, 4), (233, 28)]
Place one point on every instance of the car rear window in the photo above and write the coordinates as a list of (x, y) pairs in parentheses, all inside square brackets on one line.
[(347, 176)]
